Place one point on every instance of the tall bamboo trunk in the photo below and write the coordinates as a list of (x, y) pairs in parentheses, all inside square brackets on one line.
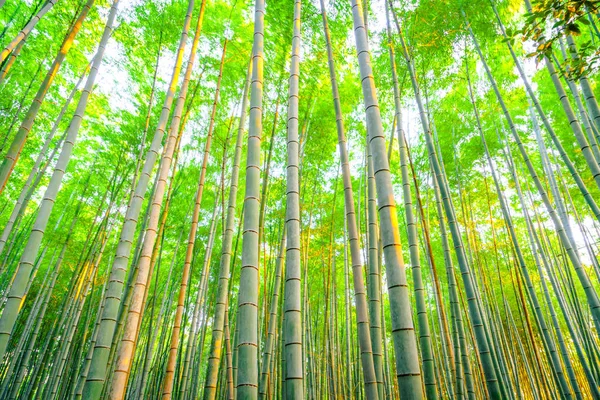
[(97, 374), (405, 346), (247, 321), (475, 314), (293, 373), (362, 318), (169, 376), (413, 244), (214, 359), (136, 310), (266, 376), (374, 277)]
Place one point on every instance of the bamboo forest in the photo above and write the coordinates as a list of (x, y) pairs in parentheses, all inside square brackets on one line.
[(278, 199)]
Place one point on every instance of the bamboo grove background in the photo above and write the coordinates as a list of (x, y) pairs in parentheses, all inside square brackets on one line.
[(323, 200)]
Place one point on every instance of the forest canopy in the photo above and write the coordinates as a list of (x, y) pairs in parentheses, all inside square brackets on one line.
[(229, 199)]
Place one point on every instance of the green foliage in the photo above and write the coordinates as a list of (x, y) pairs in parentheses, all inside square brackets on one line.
[(549, 21), (99, 177)]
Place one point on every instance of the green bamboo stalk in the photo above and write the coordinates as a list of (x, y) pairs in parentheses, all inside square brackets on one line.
[(247, 321), (293, 374), (476, 317), (407, 360), (215, 351), (97, 373), (413, 246), (169, 376), (373, 280), (365, 343), (265, 375)]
